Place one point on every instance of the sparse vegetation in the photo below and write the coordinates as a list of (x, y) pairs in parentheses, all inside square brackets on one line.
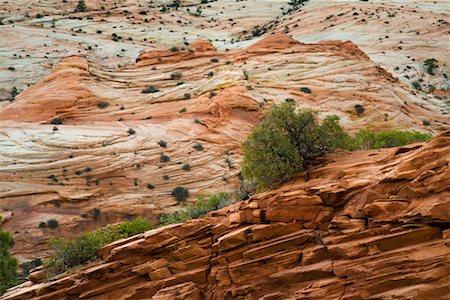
[(150, 89), (198, 147), (52, 223), (102, 104), (78, 251), (306, 90), (180, 194), (8, 264), (186, 167), (57, 121), (288, 140), (131, 131), (430, 64), (162, 143), (200, 208), (359, 109), (81, 6), (164, 158)]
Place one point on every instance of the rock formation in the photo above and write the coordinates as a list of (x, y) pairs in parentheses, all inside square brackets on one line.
[(366, 225), (105, 153)]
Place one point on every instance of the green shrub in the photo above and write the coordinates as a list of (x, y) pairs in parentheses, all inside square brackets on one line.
[(52, 223), (150, 89), (180, 193), (306, 90), (131, 131), (286, 139), (176, 75), (430, 64), (102, 104), (162, 144), (359, 109), (28, 265), (192, 211), (81, 6), (187, 167), (57, 121), (42, 224), (164, 158), (366, 140), (198, 147), (78, 251), (8, 264), (96, 212)]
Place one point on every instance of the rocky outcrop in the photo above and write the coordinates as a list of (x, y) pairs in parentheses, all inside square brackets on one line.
[(106, 154), (365, 225)]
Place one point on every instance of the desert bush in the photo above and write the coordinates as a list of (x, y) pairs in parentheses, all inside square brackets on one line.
[(284, 141), (430, 64), (198, 147), (162, 144), (52, 223), (73, 252), (180, 194), (150, 89), (102, 104), (200, 208), (366, 139), (57, 121), (164, 158), (8, 264), (186, 167), (359, 109)]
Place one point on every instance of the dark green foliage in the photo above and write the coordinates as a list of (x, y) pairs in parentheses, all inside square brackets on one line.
[(180, 194), (150, 186), (366, 140), (162, 143), (81, 6), (164, 158), (198, 147), (57, 121), (8, 264), (417, 85), (430, 64), (176, 75), (187, 167), (131, 131), (52, 223), (182, 110), (196, 210), (284, 141), (359, 109), (297, 3), (150, 89), (287, 140), (214, 60), (42, 224), (27, 266), (96, 212), (306, 90), (426, 122), (84, 215), (71, 253), (187, 96), (175, 49), (102, 104)]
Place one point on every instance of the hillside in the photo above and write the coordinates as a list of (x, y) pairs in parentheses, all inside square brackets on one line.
[(93, 161), (367, 225)]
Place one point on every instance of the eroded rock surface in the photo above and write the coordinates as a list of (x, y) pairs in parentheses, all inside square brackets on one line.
[(106, 155), (366, 225)]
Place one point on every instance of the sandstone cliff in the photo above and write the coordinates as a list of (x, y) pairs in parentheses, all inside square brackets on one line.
[(106, 152), (366, 225)]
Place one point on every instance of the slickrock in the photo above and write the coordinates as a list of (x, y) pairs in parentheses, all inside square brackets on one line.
[(397, 35), (367, 225), (106, 155)]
